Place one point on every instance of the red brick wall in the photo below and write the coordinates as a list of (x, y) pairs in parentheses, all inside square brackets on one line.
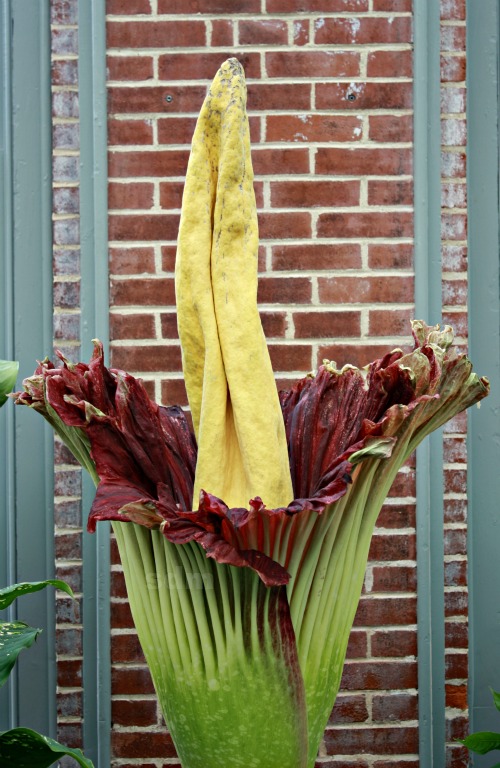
[(454, 261), (330, 105), (66, 292)]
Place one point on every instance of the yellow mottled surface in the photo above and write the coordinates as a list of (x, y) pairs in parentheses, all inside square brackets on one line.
[(229, 378)]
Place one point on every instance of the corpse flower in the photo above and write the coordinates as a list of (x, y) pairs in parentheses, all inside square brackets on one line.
[(244, 543)]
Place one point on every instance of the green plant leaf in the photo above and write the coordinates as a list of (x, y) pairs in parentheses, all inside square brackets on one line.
[(14, 637), (9, 594), (25, 748), (8, 376), (496, 699), (482, 742)]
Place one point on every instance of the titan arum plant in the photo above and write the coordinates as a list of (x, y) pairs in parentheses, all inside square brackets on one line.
[(244, 544)]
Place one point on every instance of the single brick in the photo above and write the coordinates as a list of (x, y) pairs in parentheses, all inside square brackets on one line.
[(283, 226), (67, 513), (308, 6), (171, 194), (169, 325), (393, 224), (69, 641), (300, 32), (396, 578), (393, 546), (222, 33), (129, 67), (398, 610), (327, 324), (136, 326), (453, 195), (157, 34), (155, 98), (66, 200), (65, 104), (157, 357), (173, 392), (394, 642), (131, 261), (390, 192), (454, 292), (130, 195), (155, 163), (291, 290), (453, 132), (456, 665), (452, 68), (313, 64), (64, 41), (64, 12), (157, 226), (64, 72), (66, 136), (359, 95), (280, 161), (313, 127), (66, 295), (208, 6), (391, 128), (455, 573), (453, 100), (142, 291), (395, 707), (389, 322), (129, 132), (349, 709), (313, 256), (176, 130), (389, 64), (453, 165), (456, 696), (65, 169), (66, 231), (397, 516), (70, 704), (262, 32), (452, 9), (66, 327), (456, 633), (452, 38), (311, 194), (290, 357), (380, 741), (378, 675), (362, 30), (123, 7), (126, 648), (136, 745), (393, 6), (275, 324), (134, 713), (131, 681), (265, 96), (363, 162), (168, 254), (69, 673)]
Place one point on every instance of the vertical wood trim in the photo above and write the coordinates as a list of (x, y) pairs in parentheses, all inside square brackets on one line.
[(94, 324), (27, 269), (484, 347), (428, 306)]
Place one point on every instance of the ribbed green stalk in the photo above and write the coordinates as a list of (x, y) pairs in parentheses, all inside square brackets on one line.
[(219, 655)]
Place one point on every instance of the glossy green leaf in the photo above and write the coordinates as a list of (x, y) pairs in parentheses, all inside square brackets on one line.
[(8, 375), (496, 699), (24, 748), (482, 742), (9, 594), (14, 637)]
